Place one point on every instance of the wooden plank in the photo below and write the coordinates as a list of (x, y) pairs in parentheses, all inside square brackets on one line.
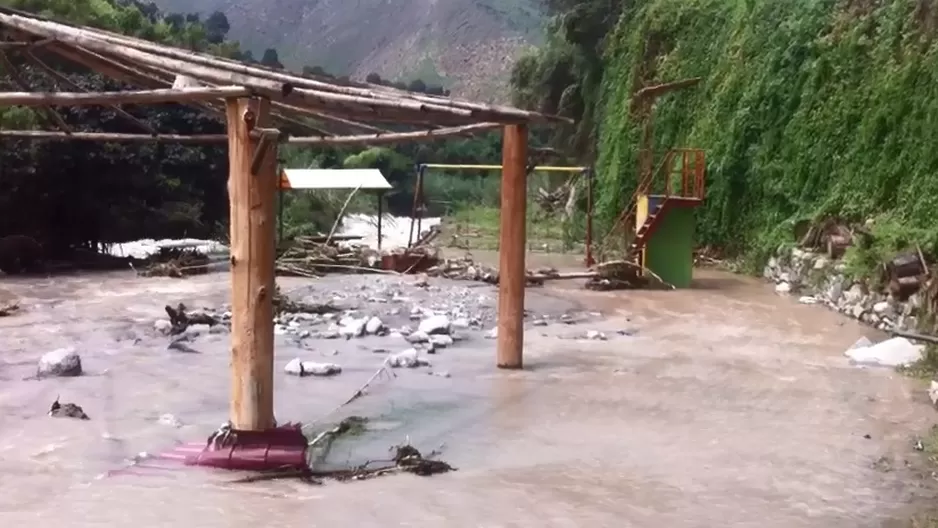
[(195, 139), (253, 250), (512, 271)]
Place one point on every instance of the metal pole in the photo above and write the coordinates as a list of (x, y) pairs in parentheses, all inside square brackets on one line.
[(589, 217), (380, 215)]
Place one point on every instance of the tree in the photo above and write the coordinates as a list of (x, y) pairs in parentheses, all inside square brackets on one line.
[(216, 27), (271, 59)]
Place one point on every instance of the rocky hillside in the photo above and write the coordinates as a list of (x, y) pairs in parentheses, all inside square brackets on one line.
[(468, 46)]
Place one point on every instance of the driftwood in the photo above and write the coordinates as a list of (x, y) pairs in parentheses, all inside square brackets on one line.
[(625, 275), (180, 319)]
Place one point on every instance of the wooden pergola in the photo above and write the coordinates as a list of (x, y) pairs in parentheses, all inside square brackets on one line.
[(254, 101)]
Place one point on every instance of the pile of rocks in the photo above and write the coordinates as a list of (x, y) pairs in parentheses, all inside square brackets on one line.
[(818, 280)]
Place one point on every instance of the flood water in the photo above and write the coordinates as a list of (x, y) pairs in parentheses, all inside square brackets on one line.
[(728, 406)]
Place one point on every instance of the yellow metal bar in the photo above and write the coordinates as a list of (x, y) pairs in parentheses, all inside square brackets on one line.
[(539, 168)]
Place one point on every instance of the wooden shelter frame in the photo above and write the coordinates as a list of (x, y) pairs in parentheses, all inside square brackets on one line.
[(253, 101)]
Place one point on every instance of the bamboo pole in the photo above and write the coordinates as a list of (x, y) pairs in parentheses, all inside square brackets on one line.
[(123, 97), (393, 137), (253, 240), (36, 61), (512, 274), (115, 137)]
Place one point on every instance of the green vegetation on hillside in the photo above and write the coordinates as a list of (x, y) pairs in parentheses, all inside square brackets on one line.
[(807, 107)]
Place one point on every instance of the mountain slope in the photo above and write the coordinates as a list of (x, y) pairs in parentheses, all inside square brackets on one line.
[(467, 45)]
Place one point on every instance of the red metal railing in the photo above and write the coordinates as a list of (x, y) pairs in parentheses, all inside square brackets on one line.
[(687, 180)]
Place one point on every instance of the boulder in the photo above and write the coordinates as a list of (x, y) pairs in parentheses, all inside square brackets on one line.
[(409, 358), (298, 367), (437, 324), (61, 362)]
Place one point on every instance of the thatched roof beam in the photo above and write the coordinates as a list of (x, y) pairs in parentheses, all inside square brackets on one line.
[(123, 97), (115, 137), (36, 61), (395, 137)]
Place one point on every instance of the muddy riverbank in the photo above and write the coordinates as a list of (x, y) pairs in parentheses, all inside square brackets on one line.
[(720, 405)]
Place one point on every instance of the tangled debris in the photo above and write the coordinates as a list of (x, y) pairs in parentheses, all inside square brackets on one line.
[(176, 262), (310, 257), (406, 459), (624, 275), (465, 268), (8, 308)]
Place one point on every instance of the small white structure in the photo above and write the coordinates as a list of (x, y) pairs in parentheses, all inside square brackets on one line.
[(322, 179), (370, 179)]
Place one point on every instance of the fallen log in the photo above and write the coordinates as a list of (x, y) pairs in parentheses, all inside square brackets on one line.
[(915, 336)]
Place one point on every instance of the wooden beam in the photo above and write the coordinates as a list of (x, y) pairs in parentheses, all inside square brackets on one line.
[(36, 61), (511, 247), (195, 139), (51, 115), (393, 137), (124, 97), (253, 240)]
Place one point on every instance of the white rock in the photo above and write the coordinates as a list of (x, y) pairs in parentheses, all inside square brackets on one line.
[(298, 367), (857, 311), (863, 342), (162, 326), (492, 334), (417, 337), (821, 263), (279, 329), (894, 352), (854, 294), (374, 325), (807, 299), (783, 287), (60, 362), (882, 307), (596, 335), (441, 340), (353, 328), (407, 359), (933, 392), (437, 324)]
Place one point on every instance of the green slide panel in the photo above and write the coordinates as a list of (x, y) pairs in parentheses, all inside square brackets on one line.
[(670, 250)]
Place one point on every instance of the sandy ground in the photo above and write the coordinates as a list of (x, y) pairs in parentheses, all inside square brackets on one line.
[(726, 406)]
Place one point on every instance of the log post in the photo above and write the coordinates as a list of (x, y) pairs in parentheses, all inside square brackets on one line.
[(511, 247), (253, 232)]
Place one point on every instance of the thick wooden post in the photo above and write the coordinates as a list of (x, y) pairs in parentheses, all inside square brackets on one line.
[(253, 199), (511, 247)]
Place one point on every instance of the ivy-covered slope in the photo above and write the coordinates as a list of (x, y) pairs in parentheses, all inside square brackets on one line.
[(807, 107)]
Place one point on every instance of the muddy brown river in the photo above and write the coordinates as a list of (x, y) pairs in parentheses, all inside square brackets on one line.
[(725, 406)]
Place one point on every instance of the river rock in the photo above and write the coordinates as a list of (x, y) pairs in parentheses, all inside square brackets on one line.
[(60, 362), (441, 340), (375, 326), (783, 287), (298, 367), (492, 334), (409, 358), (417, 337), (163, 326), (933, 392), (437, 324), (353, 328)]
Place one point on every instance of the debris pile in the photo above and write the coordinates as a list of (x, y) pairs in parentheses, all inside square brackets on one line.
[(623, 275), (176, 262), (312, 257), (466, 268)]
